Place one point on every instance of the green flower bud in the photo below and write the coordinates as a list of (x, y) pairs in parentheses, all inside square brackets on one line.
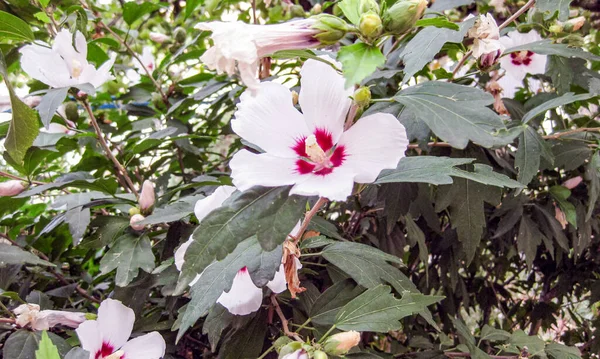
[(281, 342), (524, 27), (341, 343), (370, 25), (179, 34), (337, 11), (556, 28), (289, 349), (91, 316), (332, 28), (368, 5), (297, 11), (133, 211), (319, 355), (403, 15), (71, 111), (362, 97), (316, 10)]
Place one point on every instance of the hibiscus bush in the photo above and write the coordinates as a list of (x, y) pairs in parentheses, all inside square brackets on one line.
[(311, 179)]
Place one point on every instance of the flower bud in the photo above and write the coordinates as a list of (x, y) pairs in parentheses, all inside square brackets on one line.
[(179, 34), (368, 5), (298, 354), (403, 15), (316, 10), (147, 198), (575, 24), (370, 25), (319, 355), (11, 188), (133, 211), (289, 349), (489, 59), (341, 343), (362, 97), (71, 111), (158, 37), (572, 182), (137, 218), (556, 28), (297, 11), (332, 28), (281, 342)]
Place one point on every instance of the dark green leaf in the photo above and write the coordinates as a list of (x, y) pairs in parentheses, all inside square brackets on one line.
[(328, 304), (593, 170), (561, 351), (425, 169), (550, 7), (555, 102), (128, 255), (247, 342), (493, 334), (546, 47), (359, 61), (133, 11), (455, 113), (77, 353), (534, 345), (527, 159), (10, 254), (22, 344), (528, 239)]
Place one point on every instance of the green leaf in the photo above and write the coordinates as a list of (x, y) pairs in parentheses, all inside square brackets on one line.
[(22, 344), (423, 48), (267, 212), (217, 320), (13, 28), (469, 340), (133, 11), (218, 278), (107, 230), (424, 169), (10, 254), (528, 239), (128, 255), (546, 47), (77, 353), (50, 103), (439, 22), (556, 102), (359, 61), (23, 128), (464, 200), (527, 159), (535, 345), (250, 337), (377, 310), (328, 304), (561, 195), (593, 171), (441, 5), (485, 175), (493, 334), (351, 10), (561, 351), (550, 7), (44, 3), (173, 211), (455, 113), (47, 349), (190, 6)]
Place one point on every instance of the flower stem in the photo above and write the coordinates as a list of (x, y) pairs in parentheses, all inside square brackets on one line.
[(327, 334), (284, 321), (307, 218), (270, 349), (120, 169), (516, 15)]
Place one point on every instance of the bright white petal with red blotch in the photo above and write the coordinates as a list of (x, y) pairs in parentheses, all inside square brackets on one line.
[(269, 120), (336, 186), (373, 143), (90, 337), (249, 169), (323, 97), (115, 322), (206, 205), (244, 297), (149, 346)]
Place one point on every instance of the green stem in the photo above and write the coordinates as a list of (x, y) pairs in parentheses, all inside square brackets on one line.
[(11, 314), (266, 352), (303, 325), (311, 254), (382, 100), (326, 334)]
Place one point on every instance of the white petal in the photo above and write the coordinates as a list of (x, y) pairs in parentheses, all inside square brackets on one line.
[(115, 322), (149, 346), (63, 45), (372, 144), (44, 65), (179, 256), (103, 73), (538, 64), (249, 169), (509, 85), (206, 205), (90, 337), (278, 284), (244, 297), (270, 120), (249, 75), (51, 318), (336, 186), (323, 98)]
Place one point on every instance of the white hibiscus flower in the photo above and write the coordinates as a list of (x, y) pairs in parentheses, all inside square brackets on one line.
[(311, 150)]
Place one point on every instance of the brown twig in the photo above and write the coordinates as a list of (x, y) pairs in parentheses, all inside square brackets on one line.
[(135, 56), (284, 322), (107, 149), (8, 175), (8, 320), (307, 218), (570, 132)]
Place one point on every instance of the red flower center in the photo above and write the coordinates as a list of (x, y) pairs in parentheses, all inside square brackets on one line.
[(105, 351), (318, 154), (521, 57)]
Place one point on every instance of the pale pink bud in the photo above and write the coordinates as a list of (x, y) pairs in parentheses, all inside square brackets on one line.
[(341, 343), (137, 218), (572, 182), (30, 314), (489, 59), (147, 199), (26, 313), (298, 354), (11, 188), (577, 22), (158, 37)]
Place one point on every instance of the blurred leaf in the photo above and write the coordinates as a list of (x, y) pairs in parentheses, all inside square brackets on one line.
[(439, 22), (561, 195), (376, 310), (13, 28), (593, 170), (561, 351), (359, 61), (133, 11), (455, 113), (550, 7), (128, 255), (351, 9), (47, 349), (251, 338), (527, 159), (528, 239), (441, 5), (532, 343), (50, 103), (23, 128), (546, 47), (556, 102), (10, 254), (493, 334), (107, 230), (469, 340), (77, 353)]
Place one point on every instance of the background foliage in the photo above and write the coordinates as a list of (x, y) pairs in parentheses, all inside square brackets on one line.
[(473, 246)]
